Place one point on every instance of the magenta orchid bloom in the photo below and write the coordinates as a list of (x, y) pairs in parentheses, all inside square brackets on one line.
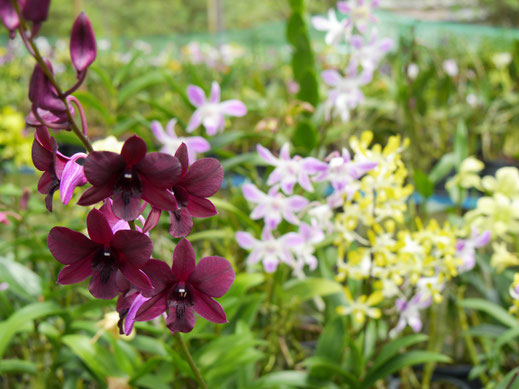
[(102, 256), (466, 248), (171, 143), (196, 183), (273, 207), (47, 159), (269, 250), (129, 177), (183, 289), (289, 171), (360, 12), (211, 114), (335, 30)]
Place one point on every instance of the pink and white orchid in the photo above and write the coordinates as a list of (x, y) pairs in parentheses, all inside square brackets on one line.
[(269, 250), (410, 313), (309, 236), (368, 53), (360, 12), (466, 248), (335, 30), (211, 113), (345, 94), (171, 142), (290, 171), (274, 206)]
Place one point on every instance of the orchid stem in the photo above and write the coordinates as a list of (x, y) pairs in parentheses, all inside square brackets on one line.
[(33, 50), (190, 361), (132, 225)]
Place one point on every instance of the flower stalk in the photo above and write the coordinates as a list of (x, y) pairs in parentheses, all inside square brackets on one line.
[(190, 361)]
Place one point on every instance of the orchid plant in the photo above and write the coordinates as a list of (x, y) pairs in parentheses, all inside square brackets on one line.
[(117, 254)]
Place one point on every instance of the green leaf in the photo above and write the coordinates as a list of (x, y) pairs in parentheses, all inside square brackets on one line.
[(87, 99), (10, 327), (242, 216), (17, 366), (394, 347), (327, 367), (283, 379), (400, 361), (511, 380), (105, 79), (305, 136), (172, 83), (22, 280), (444, 166), (138, 84), (492, 309), (89, 353), (461, 142), (308, 288), (125, 70), (250, 157), (423, 184), (309, 88), (506, 338), (225, 233)]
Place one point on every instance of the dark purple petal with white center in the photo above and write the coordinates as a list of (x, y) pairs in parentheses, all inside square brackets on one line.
[(181, 223), (209, 308), (212, 276), (69, 246), (204, 177), (183, 260), (133, 246), (103, 285), (103, 167), (180, 319), (76, 272), (160, 169), (200, 207), (133, 151)]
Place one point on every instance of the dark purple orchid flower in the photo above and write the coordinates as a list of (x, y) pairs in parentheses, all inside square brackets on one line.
[(197, 182), (35, 10), (42, 93), (129, 177), (183, 289), (9, 17), (103, 256), (47, 159), (83, 49)]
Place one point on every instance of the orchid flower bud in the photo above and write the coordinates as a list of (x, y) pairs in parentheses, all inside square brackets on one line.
[(42, 93), (83, 49), (9, 17), (35, 10)]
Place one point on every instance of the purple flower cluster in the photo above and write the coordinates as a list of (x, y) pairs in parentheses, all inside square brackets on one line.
[(366, 50), (117, 254), (296, 249)]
